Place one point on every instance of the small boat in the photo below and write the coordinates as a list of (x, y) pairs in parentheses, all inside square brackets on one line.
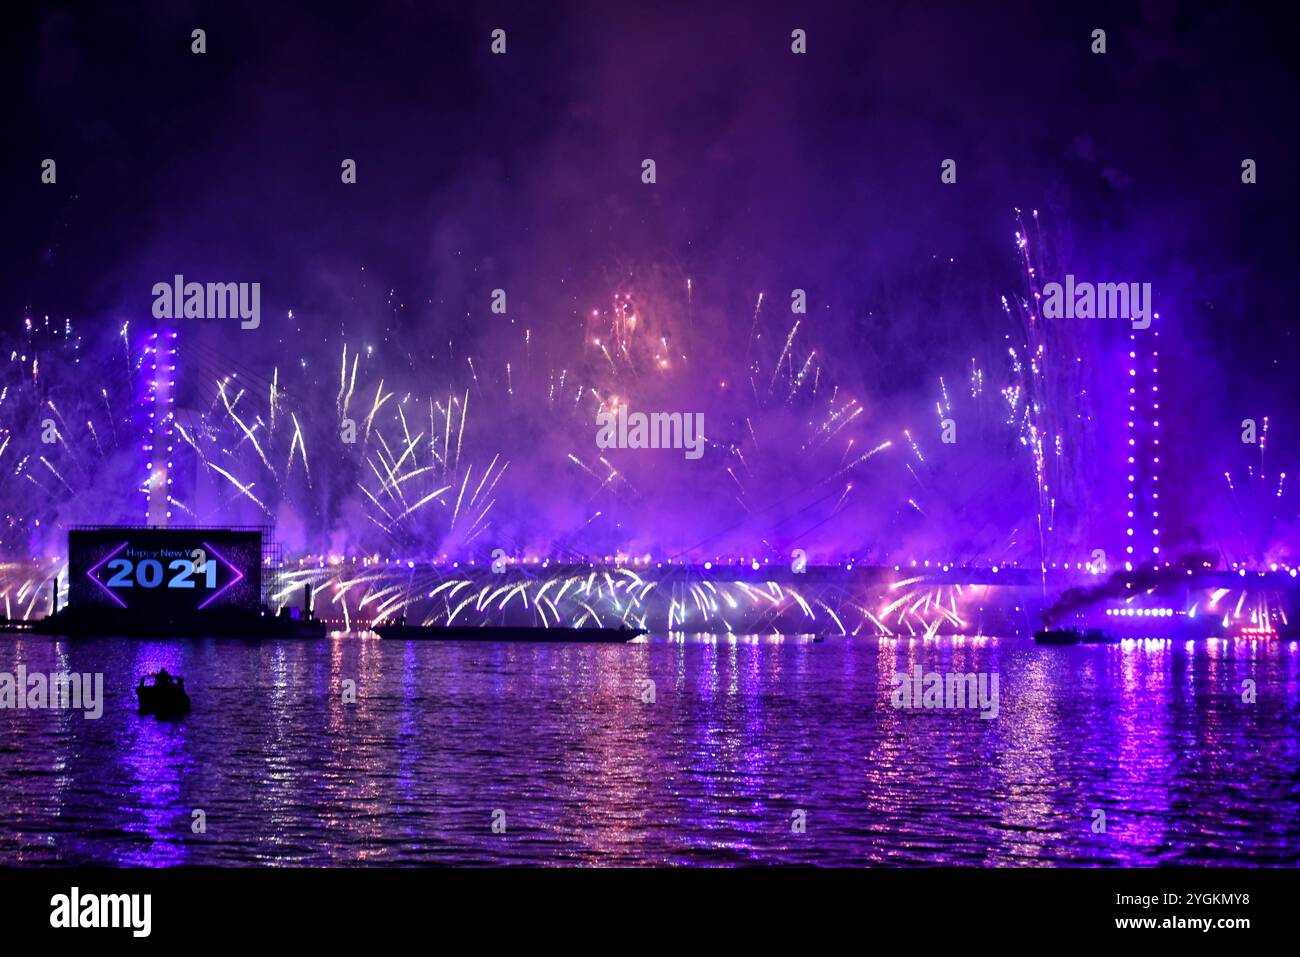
[(165, 697), (400, 631)]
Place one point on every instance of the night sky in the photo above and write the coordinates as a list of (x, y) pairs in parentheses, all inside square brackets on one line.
[(774, 171)]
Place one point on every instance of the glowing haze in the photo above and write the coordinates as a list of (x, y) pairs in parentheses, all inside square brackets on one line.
[(476, 429)]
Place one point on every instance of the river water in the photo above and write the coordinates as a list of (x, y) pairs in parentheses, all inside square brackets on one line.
[(664, 751)]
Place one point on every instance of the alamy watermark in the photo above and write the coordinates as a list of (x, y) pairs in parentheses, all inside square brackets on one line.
[(1102, 300), (133, 912), (656, 430), (214, 300), (952, 689), (65, 690)]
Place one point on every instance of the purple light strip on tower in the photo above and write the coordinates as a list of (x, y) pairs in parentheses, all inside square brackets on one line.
[(91, 574), (234, 581)]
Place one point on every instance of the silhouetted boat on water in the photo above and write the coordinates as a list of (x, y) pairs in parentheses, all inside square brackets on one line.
[(165, 697), (289, 622), (401, 631), (1073, 636), (103, 623)]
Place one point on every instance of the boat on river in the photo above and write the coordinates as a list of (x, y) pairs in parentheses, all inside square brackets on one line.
[(400, 631)]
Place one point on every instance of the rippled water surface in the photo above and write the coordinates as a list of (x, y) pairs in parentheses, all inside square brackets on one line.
[(558, 743)]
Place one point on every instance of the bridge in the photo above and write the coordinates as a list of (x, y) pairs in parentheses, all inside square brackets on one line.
[(1057, 577)]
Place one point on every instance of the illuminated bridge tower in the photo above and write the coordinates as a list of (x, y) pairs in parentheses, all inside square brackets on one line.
[(1143, 450), (159, 368)]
